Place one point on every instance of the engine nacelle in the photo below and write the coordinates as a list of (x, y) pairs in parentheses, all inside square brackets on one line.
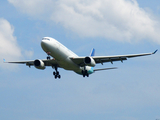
[(89, 61), (39, 64)]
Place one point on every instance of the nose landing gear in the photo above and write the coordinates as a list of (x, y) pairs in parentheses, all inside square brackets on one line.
[(48, 57)]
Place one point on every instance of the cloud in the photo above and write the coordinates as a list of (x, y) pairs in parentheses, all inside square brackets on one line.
[(28, 53), (119, 20), (9, 48), (34, 7)]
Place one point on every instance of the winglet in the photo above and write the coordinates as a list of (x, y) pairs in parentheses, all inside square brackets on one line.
[(92, 52), (4, 60), (155, 51)]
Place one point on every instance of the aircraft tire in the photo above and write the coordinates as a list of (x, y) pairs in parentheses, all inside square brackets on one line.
[(48, 58), (54, 73), (59, 76), (87, 75), (55, 76)]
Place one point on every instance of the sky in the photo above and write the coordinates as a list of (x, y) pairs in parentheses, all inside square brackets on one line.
[(112, 27)]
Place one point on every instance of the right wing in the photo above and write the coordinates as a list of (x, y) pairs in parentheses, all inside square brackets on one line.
[(103, 59)]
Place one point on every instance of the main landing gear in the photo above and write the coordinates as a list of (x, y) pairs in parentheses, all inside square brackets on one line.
[(85, 73), (56, 73)]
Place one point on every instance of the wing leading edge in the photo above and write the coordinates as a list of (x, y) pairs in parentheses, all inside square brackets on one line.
[(103, 59)]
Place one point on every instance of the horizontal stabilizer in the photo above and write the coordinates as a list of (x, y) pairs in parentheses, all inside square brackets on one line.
[(105, 69)]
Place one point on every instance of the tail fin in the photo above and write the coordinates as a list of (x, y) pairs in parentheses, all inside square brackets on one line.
[(92, 52)]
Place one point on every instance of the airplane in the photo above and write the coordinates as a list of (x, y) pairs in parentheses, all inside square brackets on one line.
[(68, 60)]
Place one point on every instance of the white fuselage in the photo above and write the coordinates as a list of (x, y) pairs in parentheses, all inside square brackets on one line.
[(62, 55)]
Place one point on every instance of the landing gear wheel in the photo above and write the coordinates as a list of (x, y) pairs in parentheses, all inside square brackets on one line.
[(48, 58), (54, 73), (55, 76), (59, 76), (85, 73)]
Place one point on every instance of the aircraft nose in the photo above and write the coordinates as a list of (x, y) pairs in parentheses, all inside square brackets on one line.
[(44, 44)]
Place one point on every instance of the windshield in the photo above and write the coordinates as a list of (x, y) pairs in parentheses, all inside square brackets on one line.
[(45, 39)]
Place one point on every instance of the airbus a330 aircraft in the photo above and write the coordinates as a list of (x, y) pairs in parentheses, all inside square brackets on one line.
[(65, 58)]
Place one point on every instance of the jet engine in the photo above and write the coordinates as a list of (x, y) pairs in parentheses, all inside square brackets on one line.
[(39, 64), (89, 61)]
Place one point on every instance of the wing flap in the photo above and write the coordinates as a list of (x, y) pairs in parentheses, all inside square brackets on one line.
[(108, 59)]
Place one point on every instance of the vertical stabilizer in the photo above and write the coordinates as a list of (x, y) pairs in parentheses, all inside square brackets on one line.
[(92, 52)]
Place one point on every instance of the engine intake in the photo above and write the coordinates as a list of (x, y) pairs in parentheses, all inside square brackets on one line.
[(89, 61), (39, 64)]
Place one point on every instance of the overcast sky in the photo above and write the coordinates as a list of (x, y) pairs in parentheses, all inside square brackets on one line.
[(112, 27)]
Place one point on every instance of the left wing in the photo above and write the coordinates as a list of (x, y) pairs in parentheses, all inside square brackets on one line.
[(103, 59), (51, 62)]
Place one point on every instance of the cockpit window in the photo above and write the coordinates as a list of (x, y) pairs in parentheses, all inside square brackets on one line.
[(45, 39)]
